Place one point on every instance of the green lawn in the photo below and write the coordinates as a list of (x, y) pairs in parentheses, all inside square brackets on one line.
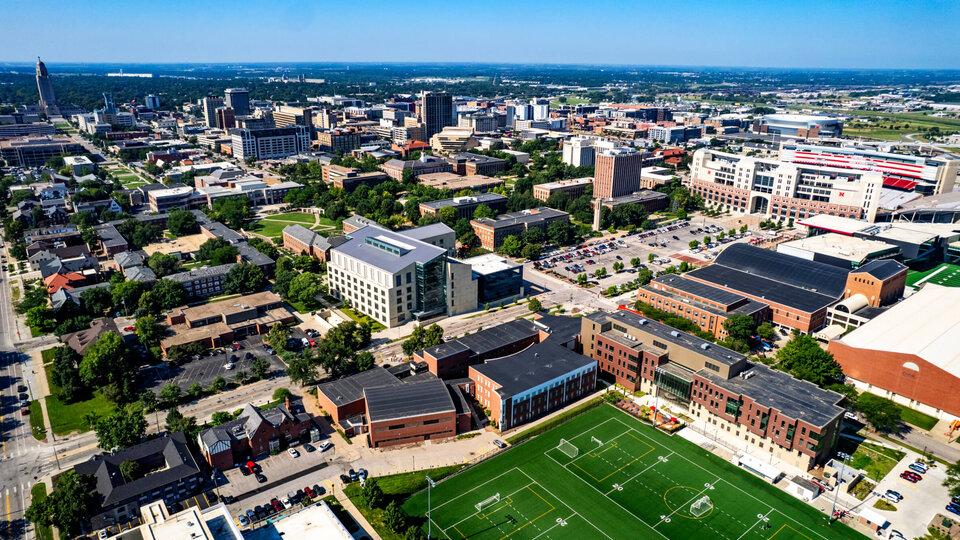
[(873, 459), (361, 318), (305, 307), (946, 274), (395, 487), (47, 354), (298, 217), (916, 418), (38, 493), (66, 418), (268, 228), (36, 421), (569, 101), (615, 478)]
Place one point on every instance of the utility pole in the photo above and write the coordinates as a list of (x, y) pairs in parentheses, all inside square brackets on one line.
[(843, 456), (430, 484)]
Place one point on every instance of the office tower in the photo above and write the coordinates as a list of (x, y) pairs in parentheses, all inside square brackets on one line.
[(578, 152), (152, 102), (540, 108), (210, 104), (239, 99), (48, 101), (285, 115), (226, 118), (436, 112), (511, 115), (617, 172)]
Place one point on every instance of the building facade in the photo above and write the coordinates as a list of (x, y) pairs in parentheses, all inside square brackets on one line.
[(617, 172), (269, 143), (492, 232)]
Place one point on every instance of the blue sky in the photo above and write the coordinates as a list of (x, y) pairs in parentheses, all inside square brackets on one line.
[(772, 33)]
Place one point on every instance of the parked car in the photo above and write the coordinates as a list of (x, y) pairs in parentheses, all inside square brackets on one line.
[(251, 515), (277, 505), (353, 475), (242, 518), (325, 445), (21, 388), (893, 496), (293, 452), (261, 478), (911, 477), (318, 490), (499, 444), (955, 508), (228, 366), (244, 470), (300, 495), (362, 473), (129, 329), (308, 491), (917, 467)]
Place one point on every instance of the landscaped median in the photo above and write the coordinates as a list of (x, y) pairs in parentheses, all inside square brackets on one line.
[(36, 421)]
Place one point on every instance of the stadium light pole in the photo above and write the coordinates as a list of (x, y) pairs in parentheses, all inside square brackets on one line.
[(430, 484), (844, 457)]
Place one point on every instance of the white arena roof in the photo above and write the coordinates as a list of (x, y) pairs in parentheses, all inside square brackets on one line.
[(926, 324)]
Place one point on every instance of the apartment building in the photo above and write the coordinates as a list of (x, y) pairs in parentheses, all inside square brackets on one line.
[(285, 115), (255, 433), (337, 140), (203, 282), (269, 143), (579, 152), (492, 232), (573, 188), (784, 190), (303, 241), (792, 420)]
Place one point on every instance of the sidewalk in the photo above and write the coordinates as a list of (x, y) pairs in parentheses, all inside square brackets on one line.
[(365, 527)]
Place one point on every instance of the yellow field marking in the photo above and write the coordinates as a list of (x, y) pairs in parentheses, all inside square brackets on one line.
[(613, 444), (508, 502), (648, 445), (792, 529), (552, 508), (676, 511)]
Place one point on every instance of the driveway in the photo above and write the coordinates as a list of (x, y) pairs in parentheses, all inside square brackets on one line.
[(921, 501)]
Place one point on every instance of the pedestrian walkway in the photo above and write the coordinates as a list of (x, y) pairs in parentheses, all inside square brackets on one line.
[(366, 528)]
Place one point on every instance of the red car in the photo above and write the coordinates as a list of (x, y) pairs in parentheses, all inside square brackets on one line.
[(313, 343), (277, 505), (308, 491), (235, 346), (911, 477), (129, 329)]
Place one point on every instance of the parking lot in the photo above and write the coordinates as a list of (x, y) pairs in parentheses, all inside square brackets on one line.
[(210, 366), (669, 246)]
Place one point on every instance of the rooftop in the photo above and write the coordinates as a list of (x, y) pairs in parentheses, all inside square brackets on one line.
[(532, 367), (490, 263), (387, 250), (837, 245), (525, 216), (925, 324), (417, 399), (350, 388), (479, 198)]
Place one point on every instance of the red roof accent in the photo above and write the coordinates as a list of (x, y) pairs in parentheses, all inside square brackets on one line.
[(899, 183)]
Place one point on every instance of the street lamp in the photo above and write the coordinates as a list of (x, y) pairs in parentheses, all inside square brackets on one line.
[(844, 457), (430, 484)]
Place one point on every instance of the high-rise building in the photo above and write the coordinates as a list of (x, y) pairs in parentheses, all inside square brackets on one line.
[(152, 102), (48, 101), (210, 104), (617, 172), (541, 109), (578, 152), (436, 112), (285, 115), (239, 99), (269, 143), (226, 118)]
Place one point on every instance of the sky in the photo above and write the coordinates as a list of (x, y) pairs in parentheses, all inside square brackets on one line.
[(773, 33)]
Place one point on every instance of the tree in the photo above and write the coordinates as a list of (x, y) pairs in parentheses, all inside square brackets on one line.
[(533, 236), (371, 494), (69, 506), (176, 421), (560, 233), (279, 334), (163, 264), (617, 266), (302, 369), (244, 278), (581, 279), (65, 374), (635, 262), (131, 470), (170, 394), (148, 330), (693, 244), (534, 305), (221, 417), (305, 287), (882, 414), (148, 304), (195, 390), (511, 246), (235, 212), (148, 401), (120, 429), (644, 276), (41, 319), (280, 394), (531, 252), (217, 251), (600, 272), (127, 295), (934, 534), (421, 338), (706, 240), (264, 247), (218, 384), (952, 482), (483, 211), (260, 367), (181, 223), (240, 377), (651, 257), (169, 293), (740, 326), (106, 361), (394, 518), (766, 332), (364, 361), (803, 357)]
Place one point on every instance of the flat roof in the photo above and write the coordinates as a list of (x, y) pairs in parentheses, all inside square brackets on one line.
[(925, 324), (408, 400), (350, 388), (228, 307), (183, 244), (490, 263), (317, 521), (698, 289), (837, 245), (566, 183), (838, 224), (479, 198), (768, 387), (491, 339), (362, 245), (524, 216), (532, 367)]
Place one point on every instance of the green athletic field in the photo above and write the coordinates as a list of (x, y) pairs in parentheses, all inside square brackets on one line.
[(945, 274), (616, 478)]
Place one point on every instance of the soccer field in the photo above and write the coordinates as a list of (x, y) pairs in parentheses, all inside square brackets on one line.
[(606, 475), (944, 274)]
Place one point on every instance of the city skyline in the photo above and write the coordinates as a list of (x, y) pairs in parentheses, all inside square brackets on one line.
[(748, 34)]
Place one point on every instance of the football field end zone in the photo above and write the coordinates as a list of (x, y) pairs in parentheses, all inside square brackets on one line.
[(621, 520)]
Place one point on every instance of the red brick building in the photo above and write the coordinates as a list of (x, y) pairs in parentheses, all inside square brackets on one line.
[(256, 433), (412, 413)]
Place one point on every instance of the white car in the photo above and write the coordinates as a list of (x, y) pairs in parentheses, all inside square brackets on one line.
[(285, 502), (228, 366), (325, 445), (293, 452)]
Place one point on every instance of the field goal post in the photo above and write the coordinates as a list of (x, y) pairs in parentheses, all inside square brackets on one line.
[(568, 448), (701, 506), (480, 506)]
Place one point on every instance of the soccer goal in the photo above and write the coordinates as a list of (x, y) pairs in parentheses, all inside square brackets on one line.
[(596, 440), (568, 448), (486, 503), (701, 506)]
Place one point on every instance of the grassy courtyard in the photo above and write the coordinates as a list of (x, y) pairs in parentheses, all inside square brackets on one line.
[(67, 418)]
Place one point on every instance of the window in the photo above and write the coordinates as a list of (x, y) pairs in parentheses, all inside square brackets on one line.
[(712, 367)]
